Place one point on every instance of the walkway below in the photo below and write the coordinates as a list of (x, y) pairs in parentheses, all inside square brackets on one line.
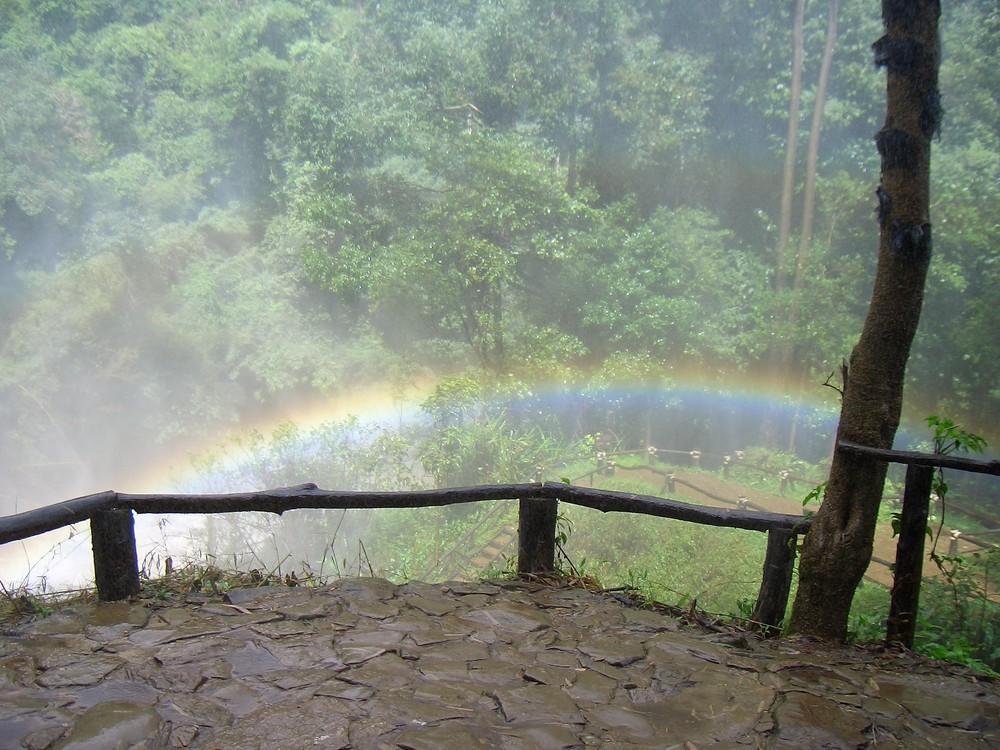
[(363, 663)]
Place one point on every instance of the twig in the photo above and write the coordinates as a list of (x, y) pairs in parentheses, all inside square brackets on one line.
[(364, 554)]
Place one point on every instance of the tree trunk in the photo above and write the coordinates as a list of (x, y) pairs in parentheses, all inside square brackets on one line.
[(809, 214), (791, 144), (780, 355), (809, 198), (838, 548)]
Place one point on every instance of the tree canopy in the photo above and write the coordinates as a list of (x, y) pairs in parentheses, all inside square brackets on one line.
[(208, 208)]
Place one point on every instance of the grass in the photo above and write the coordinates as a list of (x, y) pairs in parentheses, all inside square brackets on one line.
[(19, 604)]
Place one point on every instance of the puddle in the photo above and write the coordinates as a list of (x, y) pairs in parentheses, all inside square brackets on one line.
[(111, 726)]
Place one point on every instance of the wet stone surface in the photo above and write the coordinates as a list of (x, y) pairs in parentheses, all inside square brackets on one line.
[(363, 663)]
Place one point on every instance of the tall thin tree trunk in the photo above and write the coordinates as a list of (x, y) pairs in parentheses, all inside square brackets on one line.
[(809, 201), (571, 169), (780, 354), (809, 198), (791, 147), (838, 547)]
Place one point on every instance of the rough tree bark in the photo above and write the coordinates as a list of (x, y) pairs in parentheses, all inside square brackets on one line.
[(838, 548)]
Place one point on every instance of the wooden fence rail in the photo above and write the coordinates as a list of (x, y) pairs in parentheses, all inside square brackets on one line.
[(908, 570), (116, 561)]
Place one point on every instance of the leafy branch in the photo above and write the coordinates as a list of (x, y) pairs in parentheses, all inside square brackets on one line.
[(949, 438)]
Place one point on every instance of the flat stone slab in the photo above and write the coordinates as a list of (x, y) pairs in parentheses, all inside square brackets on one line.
[(364, 663)]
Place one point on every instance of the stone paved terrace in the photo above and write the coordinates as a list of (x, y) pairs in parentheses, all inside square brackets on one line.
[(363, 663)]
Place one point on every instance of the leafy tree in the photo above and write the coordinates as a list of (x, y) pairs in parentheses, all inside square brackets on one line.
[(488, 218), (49, 144), (676, 287), (474, 439), (294, 194)]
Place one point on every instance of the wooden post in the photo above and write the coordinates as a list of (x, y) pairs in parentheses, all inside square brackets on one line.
[(536, 536), (909, 556), (953, 544), (116, 564), (779, 563)]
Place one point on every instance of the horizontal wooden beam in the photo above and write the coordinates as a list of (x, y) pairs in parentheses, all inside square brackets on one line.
[(974, 465), (650, 505), (31, 523), (310, 496), (51, 517)]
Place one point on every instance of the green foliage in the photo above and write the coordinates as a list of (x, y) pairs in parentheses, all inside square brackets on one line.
[(209, 208), (499, 223), (745, 607), (16, 605), (471, 438), (815, 494), (869, 612), (674, 287), (959, 612), (564, 527), (667, 561), (956, 608), (49, 146), (455, 172), (950, 437)]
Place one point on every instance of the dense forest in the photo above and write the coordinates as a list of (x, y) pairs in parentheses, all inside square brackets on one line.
[(210, 208)]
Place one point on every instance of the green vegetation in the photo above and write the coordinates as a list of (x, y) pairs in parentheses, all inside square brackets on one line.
[(209, 209), (650, 559), (683, 565)]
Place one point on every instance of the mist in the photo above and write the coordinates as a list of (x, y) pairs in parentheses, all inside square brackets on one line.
[(396, 245)]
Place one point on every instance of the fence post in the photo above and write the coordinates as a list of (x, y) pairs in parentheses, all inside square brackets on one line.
[(779, 563), (536, 535), (116, 564), (909, 556)]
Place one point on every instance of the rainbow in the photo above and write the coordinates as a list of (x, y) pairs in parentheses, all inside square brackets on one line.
[(696, 415), (380, 403), (692, 411)]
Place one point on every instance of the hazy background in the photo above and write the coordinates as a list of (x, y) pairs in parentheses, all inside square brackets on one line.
[(218, 217)]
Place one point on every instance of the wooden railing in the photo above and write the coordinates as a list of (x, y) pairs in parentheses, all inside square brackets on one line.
[(116, 567), (908, 570)]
